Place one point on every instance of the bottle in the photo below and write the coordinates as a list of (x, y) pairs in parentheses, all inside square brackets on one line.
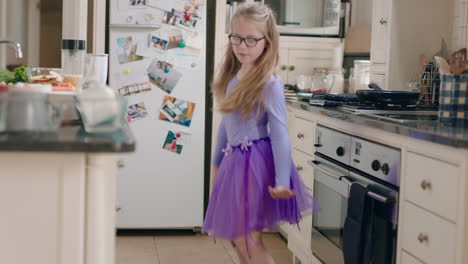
[(73, 52)]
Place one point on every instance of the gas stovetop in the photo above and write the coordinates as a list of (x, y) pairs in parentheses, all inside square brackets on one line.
[(395, 113)]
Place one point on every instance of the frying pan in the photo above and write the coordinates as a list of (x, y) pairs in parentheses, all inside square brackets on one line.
[(381, 97)]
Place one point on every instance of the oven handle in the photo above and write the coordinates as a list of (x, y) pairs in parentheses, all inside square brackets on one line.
[(371, 194), (315, 164)]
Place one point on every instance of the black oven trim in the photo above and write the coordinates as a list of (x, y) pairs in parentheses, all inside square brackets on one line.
[(359, 172)]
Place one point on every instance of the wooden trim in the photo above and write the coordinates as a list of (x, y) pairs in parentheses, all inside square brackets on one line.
[(33, 32), (3, 30), (74, 19), (99, 26)]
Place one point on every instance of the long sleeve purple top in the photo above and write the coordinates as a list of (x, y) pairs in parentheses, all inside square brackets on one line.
[(233, 129)]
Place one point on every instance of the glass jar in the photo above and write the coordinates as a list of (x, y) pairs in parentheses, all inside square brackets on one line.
[(73, 55), (361, 74)]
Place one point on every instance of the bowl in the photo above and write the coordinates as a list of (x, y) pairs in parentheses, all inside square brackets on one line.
[(47, 75)]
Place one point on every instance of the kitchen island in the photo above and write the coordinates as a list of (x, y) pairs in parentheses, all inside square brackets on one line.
[(57, 194), (433, 193)]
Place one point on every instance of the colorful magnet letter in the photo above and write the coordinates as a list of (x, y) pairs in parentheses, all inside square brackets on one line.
[(187, 16), (127, 71), (166, 70), (182, 44)]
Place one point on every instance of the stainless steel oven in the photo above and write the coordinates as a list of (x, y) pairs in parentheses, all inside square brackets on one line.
[(340, 161)]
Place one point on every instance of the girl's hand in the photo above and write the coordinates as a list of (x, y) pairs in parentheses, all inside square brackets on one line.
[(280, 192)]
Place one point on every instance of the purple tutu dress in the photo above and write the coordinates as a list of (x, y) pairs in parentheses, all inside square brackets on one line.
[(240, 201)]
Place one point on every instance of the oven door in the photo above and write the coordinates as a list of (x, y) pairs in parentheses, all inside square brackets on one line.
[(332, 183), (332, 194)]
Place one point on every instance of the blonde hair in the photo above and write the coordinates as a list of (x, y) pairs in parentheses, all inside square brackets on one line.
[(248, 92)]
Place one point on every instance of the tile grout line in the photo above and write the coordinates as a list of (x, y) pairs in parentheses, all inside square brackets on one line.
[(228, 252), (156, 249)]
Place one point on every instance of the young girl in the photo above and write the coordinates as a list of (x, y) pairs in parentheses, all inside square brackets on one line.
[(257, 185)]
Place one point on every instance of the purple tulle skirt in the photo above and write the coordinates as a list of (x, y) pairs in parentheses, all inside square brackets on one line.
[(240, 202)]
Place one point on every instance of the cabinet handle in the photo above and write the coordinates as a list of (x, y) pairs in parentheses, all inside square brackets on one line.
[(292, 68), (118, 208), (283, 67), (299, 168), (382, 21), (300, 135), (425, 184), (120, 164), (423, 238)]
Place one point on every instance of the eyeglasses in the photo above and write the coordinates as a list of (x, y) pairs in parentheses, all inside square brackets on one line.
[(249, 42)]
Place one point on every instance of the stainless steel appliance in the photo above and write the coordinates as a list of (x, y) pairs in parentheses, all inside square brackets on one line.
[(340, 161), (307, 17)]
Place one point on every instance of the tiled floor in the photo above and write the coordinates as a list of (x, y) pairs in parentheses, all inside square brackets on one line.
[(155, 247)]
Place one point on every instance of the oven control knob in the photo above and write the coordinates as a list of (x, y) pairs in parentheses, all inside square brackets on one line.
[(375, 165), (340, 151), (385, 169)]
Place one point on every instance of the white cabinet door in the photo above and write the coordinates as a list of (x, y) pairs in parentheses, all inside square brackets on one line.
[(379, 79), (283, 65), (303, 61), (380, 19)]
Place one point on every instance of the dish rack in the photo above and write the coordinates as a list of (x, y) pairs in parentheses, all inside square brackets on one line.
[(429, 84)]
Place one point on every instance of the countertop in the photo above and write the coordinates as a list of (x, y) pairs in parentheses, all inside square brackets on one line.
[(69, 139), (431, 131)]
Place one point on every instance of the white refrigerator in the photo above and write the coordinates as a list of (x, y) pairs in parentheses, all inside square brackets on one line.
[(157, 61)]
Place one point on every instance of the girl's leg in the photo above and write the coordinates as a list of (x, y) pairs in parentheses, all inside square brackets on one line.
[(242, 259), (257, 253)]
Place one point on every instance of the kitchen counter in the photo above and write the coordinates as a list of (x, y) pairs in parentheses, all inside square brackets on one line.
[(426, 130), (69, 139)]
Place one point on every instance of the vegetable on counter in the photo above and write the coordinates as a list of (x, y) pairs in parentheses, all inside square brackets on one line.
[(20, 74)]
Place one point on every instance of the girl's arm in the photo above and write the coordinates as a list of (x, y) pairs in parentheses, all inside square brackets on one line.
[(276, 110), (221, 142)]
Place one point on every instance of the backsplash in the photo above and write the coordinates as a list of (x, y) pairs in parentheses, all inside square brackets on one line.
[(460, 25)]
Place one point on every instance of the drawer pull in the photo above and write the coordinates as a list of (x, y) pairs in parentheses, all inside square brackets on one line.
[(299, 168), (426, 185), (423, 238), (120, 164), (300, 135)]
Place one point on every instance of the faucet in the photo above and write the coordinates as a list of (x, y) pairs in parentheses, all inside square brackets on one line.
[(14, 44)]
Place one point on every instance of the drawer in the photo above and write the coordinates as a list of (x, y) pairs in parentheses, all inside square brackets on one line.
[(304, 135), (432, 184), (408, 259), (305, 171), (427, 236)]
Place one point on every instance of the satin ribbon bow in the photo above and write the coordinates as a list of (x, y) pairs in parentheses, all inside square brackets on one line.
[(227, 150), (245, 144)]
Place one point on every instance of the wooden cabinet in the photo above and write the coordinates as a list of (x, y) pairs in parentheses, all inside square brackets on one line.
[(300, 55), (408, 259), (57, 208), (432, 184), (381, 11), (402, 30), (427, 236)]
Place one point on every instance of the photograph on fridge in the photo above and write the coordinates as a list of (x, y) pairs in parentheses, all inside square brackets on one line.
[(158, 43), (136, 111), (174, 37), (166, 4), (177, 111), (126, 50), (179, 19), (137, 3), (193, 7), (176, 141), (163, 75), (134, 89)]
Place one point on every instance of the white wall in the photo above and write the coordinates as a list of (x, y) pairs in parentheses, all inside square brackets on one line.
[(460, 24)]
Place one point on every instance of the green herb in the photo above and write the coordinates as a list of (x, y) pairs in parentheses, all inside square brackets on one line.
[(6, 76), (22, 74)]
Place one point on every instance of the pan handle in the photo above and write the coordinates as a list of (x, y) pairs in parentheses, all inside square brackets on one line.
[(374, 86)]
